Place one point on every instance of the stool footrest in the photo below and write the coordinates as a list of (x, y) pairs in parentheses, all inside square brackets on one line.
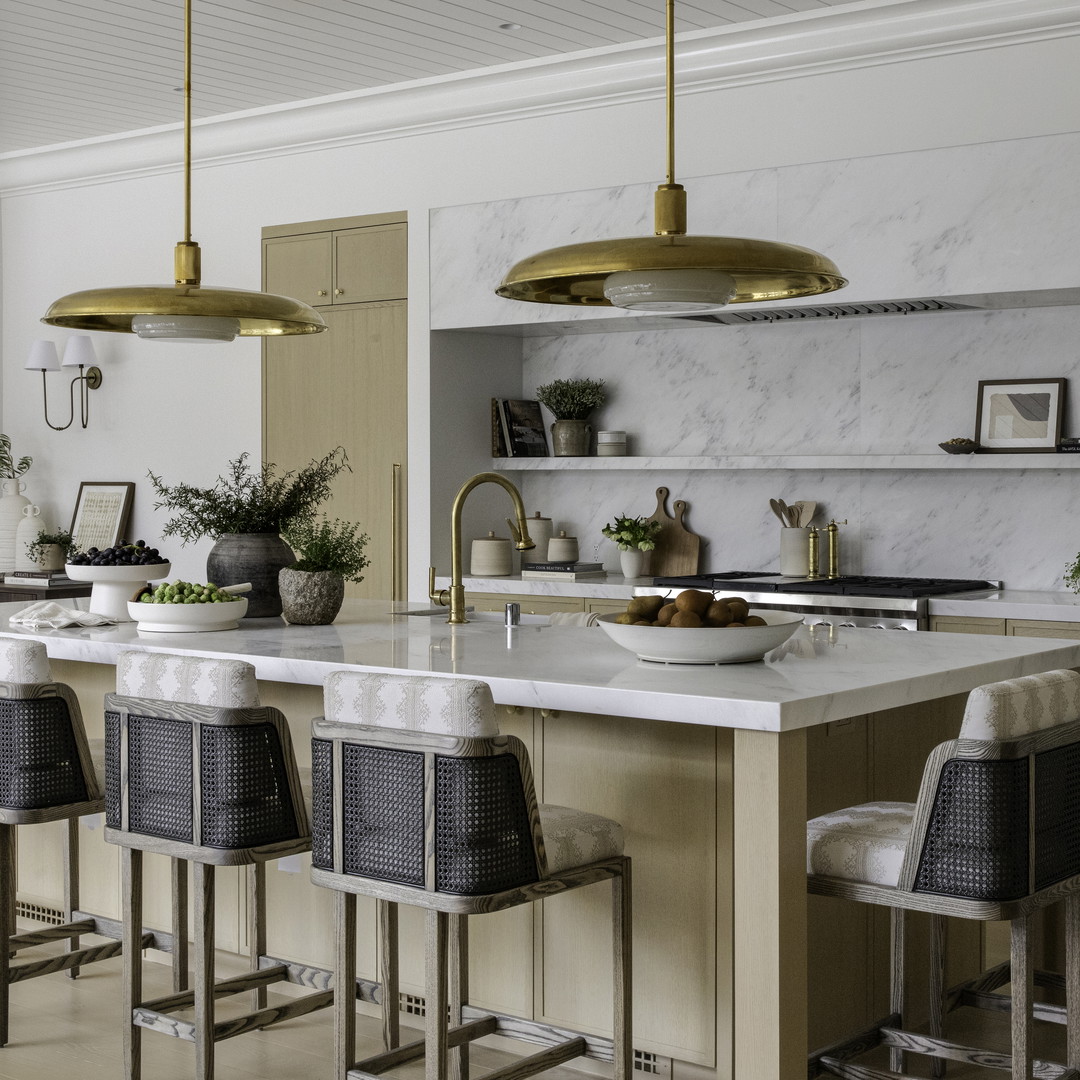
[(64, 962), (402, 1055), (540, 1061), (515, 1027), (185, 999), (988, 1059), (151, 939), (849, 1071), (265, 1018), (31, 938), (853, 1045), (1040, 1010)]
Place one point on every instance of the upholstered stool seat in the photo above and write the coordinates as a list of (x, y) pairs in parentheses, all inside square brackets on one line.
[(418, 799), (993, 835), (48, 772), (197, 770)]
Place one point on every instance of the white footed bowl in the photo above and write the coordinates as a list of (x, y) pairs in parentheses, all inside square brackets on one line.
[(188, 618), (706, 644), (114, 586)]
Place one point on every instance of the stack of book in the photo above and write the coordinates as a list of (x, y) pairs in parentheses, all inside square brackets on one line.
[(575, 571), (37, 578)]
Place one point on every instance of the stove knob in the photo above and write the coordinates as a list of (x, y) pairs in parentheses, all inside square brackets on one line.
[(878, 626), (846, 624), (899, 627)]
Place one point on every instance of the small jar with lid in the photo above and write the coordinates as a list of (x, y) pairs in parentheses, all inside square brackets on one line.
[(611, 444), (491, 556)]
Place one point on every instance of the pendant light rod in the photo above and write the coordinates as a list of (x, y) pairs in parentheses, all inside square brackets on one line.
[(669, 67), (187, 121)]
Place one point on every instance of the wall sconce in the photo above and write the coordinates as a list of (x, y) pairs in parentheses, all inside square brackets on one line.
[(78, 353)]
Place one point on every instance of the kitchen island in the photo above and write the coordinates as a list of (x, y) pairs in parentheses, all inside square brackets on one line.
[(712, 770)]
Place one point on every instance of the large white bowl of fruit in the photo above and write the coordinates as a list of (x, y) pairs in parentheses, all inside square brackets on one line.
[(185, 607), (115, 572), (696, 628)]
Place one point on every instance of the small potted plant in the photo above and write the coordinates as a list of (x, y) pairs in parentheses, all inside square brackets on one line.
[(1072, 575), (246, 512), (636, 537), (51, 550), (328, 553), (571, 402)]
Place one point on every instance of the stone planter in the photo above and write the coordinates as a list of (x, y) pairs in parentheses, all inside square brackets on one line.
[(310, 598), (254, 557), (570, 438), (52, 558)]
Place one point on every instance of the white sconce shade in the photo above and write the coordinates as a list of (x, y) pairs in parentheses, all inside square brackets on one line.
[(79, 351), (43, 357)]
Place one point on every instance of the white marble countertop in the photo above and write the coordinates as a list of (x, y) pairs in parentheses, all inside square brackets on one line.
[(993, 604), (820, 674)]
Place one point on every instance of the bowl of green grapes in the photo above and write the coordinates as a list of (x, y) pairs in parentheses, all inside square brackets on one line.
[(187, 607)]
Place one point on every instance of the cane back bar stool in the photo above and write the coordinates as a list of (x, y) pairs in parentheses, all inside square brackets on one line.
[(995, 834), (198, 770), (417, 799), (48, 772)]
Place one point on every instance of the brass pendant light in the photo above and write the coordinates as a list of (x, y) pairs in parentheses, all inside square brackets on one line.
[(187, 310), (670, 272)]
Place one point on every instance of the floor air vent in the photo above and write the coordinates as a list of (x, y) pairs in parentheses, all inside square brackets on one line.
[(734, 317), (651, 1064), (38, 913), (412, 1004)]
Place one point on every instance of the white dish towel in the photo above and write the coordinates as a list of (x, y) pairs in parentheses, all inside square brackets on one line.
[(574, 618), (48, 613)]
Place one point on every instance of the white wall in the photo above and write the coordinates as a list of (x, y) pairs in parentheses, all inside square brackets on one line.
[(183, 410)]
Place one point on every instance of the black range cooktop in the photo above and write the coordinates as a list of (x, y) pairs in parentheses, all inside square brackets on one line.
[(846, 585)]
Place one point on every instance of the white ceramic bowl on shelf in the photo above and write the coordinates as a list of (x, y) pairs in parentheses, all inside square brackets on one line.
[(114, 586), (187, 618), (704, 645)]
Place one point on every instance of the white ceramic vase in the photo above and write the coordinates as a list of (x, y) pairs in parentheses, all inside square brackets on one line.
[(632, 562), (26, 533), (12, 505)]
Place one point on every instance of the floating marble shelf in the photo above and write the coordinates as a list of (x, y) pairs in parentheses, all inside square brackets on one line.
[(907, 462)]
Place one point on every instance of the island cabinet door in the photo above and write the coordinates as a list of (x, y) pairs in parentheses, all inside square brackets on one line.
[(660, 781)]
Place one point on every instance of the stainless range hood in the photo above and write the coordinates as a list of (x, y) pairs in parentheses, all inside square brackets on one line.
[(747, 315)]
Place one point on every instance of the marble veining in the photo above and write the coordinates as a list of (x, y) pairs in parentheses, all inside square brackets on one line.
[(818, 675)]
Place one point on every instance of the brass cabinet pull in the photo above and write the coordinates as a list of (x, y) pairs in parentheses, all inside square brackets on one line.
[(395, 530), (320, 292)]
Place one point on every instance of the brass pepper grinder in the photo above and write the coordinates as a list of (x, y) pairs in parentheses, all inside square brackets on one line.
[(812, 547), (833, 529)]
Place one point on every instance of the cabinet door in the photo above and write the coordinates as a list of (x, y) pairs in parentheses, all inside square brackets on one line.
[(1043, 628), (370, 264), (962, 624), (299, 266), (347, 387), (530, 605)]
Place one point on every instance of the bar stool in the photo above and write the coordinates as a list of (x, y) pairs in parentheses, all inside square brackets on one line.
[(994, 835), (196, 769), (417, 799), (48, 772)]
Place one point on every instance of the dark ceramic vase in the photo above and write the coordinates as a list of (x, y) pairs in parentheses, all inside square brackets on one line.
[(254, 557)]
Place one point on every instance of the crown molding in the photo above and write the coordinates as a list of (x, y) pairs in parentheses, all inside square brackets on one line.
[(868, 33)]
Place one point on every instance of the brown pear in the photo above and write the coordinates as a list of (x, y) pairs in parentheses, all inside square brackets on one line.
[(693, 600), (686, 619)]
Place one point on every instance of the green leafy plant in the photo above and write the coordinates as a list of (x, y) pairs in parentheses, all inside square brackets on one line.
[(334, 546), (249, 500), (1072, 575), (35, 550), (633, 533), (9, 468), (572, 399)]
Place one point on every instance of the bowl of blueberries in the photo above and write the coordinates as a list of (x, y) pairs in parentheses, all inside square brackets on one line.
[(114, 573)]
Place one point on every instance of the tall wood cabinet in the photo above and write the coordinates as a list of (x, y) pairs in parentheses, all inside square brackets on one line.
[(346, 386)]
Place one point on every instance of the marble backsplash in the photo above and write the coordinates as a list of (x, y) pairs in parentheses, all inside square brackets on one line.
[(890, 385)]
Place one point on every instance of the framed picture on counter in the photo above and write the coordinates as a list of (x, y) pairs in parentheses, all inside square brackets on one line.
[(1019, 416), (101, 513)]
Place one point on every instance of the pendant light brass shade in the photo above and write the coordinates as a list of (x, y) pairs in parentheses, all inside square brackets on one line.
[(670, 271), (185, 310)]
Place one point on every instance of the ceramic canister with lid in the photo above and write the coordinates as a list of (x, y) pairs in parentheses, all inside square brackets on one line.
[(540, 530), (491, 556), (562, 548), (11, 513), (611, 444)]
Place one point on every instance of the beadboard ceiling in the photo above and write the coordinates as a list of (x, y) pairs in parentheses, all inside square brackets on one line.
[(82, 69)]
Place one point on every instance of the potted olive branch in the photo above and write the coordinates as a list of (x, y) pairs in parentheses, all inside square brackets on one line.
[(571, 402), (329, 553), (635, 537), (245, 512)]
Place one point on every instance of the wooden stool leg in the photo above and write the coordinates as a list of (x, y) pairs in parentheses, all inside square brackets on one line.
[(345, 984), (256, 881), (1022, 979), (71, 883), (938, 930), (179, 874), (435, 962), (622, 953), (1072, 978), (131, 885), (7, 919), (390, 990), (896, 979), (204, 971), (459, 990)]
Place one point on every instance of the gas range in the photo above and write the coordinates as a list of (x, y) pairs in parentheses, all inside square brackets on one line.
[(887, 603)]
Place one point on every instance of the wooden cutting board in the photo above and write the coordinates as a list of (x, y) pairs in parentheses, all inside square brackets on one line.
[(677, 549)]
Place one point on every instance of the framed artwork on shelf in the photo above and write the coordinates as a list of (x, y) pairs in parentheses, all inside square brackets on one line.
[(1019, 416), (523, 428), (101, 513)]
